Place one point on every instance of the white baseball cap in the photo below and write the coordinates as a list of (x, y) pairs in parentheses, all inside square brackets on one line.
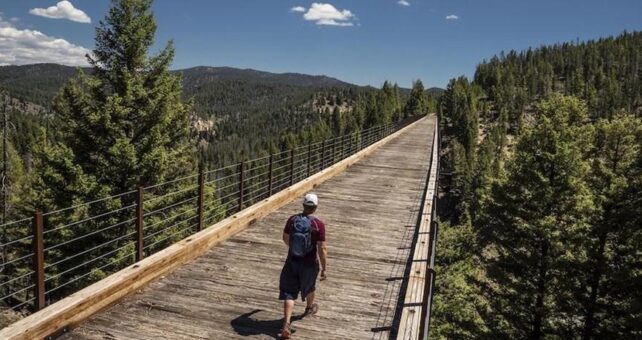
[(310, 200)]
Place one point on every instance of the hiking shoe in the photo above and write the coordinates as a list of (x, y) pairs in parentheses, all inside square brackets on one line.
[(286, 332), (313, 309)]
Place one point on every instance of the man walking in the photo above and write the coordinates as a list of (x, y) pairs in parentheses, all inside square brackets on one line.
[(304, 235)]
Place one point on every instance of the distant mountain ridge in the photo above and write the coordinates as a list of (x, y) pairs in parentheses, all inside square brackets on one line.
[(38, 83), (230, 73)]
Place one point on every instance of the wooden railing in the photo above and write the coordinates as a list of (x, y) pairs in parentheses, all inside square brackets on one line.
[(414, 322)]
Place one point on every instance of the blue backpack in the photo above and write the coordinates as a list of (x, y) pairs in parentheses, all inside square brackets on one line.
[(301, 235)]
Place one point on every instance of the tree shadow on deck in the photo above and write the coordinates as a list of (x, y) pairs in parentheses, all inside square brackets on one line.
[(245, 325)]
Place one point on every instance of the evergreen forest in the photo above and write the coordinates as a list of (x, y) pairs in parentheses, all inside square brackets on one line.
[(540, 214)]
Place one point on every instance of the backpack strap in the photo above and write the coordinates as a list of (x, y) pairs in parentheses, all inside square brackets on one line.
[(313, 221)]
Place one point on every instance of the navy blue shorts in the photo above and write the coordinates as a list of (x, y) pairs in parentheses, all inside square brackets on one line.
[(297, 276)]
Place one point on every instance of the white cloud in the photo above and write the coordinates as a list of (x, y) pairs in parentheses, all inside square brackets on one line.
[(24, 46), (63, 10), (299, 9), (403, 3), (452, 17), (326, 14)]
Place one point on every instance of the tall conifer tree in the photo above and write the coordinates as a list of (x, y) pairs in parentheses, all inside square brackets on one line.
[(534, 224), (124, 124), (121, 126)]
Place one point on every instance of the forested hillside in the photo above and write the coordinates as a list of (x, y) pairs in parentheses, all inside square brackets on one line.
[(236, 113), (39, 83), (542, 182)]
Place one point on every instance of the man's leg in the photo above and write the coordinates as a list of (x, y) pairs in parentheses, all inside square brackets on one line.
[(288, 307), (309, 299), (289, 290), (308, 282)]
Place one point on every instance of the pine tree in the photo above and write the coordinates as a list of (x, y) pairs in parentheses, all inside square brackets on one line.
[(388, 103), (126, 125), (373, 115), (416, 104), (458, 302), (533, 226), (610, 273), (338, 122), (121, 127), (397, 107), (460, 105)]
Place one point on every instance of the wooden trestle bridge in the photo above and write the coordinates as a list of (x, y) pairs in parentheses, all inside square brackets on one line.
[(222, 282)]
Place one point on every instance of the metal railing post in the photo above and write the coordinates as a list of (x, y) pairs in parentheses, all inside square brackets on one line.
[(323, 155), (241, 180), (270, 175), (291, 167), (39, 261), (201, 199), (353, 145), (309, 156), (140, 224), (334, 151), (349, 145)]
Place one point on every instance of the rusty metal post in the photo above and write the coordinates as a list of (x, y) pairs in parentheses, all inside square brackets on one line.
[(334, 151), (270, 175), (241, 173), (39, 261), (347, 141), (140, 224), (357, 139), (353, 145), (201, 199), (291, 167), (309, 156), (323, 155)]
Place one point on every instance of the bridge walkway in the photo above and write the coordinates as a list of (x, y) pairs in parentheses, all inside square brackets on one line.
[(231, 292)]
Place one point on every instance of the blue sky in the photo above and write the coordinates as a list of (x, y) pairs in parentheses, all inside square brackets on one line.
[(378, 39)]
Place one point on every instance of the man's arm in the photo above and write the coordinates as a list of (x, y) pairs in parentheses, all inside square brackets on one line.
[(286, 232), (323, 254)]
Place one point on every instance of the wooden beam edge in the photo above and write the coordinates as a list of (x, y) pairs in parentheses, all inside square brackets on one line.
[(71, 311), (410, 315)]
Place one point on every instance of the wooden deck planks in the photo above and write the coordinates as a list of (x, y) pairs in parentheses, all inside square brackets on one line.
[(231, 292)]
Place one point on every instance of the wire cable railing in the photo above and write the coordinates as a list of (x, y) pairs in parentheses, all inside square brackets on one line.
[(53, 254)]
